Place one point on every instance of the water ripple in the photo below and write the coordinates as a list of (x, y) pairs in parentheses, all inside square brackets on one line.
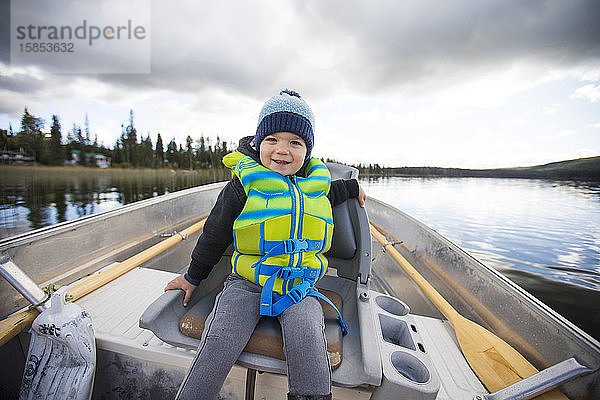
[(544, 235)]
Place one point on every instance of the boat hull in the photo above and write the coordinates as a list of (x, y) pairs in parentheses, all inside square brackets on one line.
[(69, 251)]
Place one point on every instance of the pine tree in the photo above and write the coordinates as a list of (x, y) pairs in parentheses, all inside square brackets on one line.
[(56, 151), (71, 135), (180, 156), (77, 142), (123, 145), (117, 153), (83, 158), (146, 152), (30, 137), (189, 153), (132, 144), (202, 155), (159, 152), (79, 136), (3, 139), (172, 154)]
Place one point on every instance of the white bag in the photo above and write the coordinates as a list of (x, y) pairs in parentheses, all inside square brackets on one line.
[(62, 353)]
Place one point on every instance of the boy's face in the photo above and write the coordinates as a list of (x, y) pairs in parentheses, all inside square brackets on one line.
[(283, 152)]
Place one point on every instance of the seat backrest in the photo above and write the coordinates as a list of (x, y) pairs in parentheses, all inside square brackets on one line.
[(350, 252), (343, 244)]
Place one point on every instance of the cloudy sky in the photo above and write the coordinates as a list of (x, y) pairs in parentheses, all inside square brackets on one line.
[(472, 84)]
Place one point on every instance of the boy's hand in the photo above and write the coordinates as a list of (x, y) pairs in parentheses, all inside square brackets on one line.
[(362, 196), (181, 283)]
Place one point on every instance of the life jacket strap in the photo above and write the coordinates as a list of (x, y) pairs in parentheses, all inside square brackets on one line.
[(295, 295), (287, 273), (319, 295), (279, 247), (308, 275), (291, 246)]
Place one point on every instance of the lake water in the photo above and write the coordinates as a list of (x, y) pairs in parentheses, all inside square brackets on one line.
[(32, 197), (543, 235)]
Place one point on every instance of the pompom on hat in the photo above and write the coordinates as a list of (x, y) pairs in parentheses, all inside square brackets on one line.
[(286, 112)]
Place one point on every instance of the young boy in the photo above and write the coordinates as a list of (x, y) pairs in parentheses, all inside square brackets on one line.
[(277, 211)]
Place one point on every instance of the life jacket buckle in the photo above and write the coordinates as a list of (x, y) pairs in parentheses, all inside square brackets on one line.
[(299, 291), (291, 272), (292, 246), (297, 294)]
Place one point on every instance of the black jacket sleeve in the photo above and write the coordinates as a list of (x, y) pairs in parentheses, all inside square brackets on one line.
[(217, 234), (342, 190)]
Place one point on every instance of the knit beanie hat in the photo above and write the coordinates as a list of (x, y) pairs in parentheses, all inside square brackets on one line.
[(286, 112)]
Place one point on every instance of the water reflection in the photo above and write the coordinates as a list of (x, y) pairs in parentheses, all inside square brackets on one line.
[(32, 198), (543, 235)]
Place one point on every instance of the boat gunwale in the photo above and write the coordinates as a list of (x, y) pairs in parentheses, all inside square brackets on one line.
[(40, 233)]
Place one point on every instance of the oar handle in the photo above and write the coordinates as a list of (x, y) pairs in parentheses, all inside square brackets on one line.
[(441, 303), (13, 325)]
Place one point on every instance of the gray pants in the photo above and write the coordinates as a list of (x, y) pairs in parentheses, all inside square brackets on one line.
[(228, 328)]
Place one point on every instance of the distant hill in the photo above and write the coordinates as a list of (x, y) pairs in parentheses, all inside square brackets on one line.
[(580, 169)]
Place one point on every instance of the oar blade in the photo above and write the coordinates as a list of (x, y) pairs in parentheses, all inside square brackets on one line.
[(494, 361)]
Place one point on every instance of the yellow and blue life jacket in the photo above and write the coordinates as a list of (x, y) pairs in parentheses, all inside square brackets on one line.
[(282, 232)]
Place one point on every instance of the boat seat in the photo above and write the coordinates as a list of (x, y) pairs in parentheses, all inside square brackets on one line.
[(266, 339), (354, 357)]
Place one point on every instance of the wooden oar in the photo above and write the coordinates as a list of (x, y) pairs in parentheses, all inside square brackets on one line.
[(494, 361), (11, 326)]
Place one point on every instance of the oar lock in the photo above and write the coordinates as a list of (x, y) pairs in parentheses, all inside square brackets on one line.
[(49, 290), (392, 242), (383, 247), (183, 235)]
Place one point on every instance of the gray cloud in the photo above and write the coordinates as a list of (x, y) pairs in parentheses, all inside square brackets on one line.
[(252, 49), (375, 46), (401, 43), (17, 87)]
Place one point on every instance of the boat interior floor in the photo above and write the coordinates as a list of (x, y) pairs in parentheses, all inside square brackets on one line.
[(116, 309)]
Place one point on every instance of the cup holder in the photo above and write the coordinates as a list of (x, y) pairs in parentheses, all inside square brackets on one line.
[(392, 305), (410, 367), (396, 331)]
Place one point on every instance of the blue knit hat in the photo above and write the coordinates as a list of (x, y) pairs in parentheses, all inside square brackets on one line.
[(286, 112)]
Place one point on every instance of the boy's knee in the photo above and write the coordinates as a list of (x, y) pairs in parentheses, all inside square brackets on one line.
[(304, 316)]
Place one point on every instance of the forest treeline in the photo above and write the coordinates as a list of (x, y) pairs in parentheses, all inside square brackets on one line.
[(580, 169), (131, 150)]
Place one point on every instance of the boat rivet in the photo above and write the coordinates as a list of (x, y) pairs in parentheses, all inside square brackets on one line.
[(364, 296)]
